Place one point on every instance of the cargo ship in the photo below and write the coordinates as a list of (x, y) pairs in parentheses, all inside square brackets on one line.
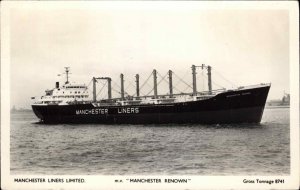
[(72, 103), (283, 103)]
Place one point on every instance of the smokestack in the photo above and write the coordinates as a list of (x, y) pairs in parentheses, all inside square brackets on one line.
[(57, 85)]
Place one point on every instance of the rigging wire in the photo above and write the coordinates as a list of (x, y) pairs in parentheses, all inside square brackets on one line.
[(113, 89), (87, 86), (118, 92), (116, 84), (203, 80), (129, 85), (162, 78), (186, 73), (165, 79), (151, 87), (184, 89), (150, 92), (101, 89), (218, 85), (183, 81), (224, 78), (146, 80), (174, 88)]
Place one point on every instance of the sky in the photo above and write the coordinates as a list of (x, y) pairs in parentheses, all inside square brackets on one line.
[(245, 46)]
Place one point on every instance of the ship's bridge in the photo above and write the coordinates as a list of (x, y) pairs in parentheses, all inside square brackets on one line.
[(70, 92)]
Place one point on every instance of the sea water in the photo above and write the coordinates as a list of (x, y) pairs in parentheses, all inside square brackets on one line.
[(232, 149)]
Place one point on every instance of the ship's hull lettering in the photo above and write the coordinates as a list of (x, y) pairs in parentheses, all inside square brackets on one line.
[(92, 112), (128, 110)]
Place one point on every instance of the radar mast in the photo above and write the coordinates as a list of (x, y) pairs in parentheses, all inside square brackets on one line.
[(67, 74)]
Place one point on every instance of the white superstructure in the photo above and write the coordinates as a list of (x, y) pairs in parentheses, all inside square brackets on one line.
[(65, 95)]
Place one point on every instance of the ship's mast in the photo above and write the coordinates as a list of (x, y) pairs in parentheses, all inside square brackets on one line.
[(209, 78), (154, 73), (108, 84), (155, 83), (109, 87), (67, 74), (94, 89), (137, 77), (122, 86), (194, 80), (170, 83)]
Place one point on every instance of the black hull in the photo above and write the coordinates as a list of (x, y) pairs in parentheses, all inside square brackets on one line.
[(240, 106)]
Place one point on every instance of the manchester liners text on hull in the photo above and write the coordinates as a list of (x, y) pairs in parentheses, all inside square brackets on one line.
[(71, 103)]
